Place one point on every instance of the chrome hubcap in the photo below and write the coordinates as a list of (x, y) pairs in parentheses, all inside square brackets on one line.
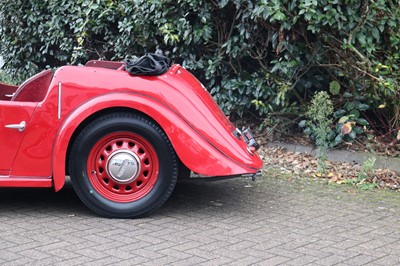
[(123, 166)]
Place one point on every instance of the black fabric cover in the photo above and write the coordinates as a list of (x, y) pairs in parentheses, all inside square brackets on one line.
[(148, 65)]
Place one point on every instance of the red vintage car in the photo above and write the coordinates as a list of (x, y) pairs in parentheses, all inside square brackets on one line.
[(123, 139)]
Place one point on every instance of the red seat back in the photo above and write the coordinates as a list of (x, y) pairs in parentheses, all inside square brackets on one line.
[(6, 90), (35, 88)]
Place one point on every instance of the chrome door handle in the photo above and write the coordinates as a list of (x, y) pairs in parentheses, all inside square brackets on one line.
[(21, 126)]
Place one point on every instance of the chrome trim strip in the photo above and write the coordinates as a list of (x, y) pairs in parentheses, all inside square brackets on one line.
[(59, 100)]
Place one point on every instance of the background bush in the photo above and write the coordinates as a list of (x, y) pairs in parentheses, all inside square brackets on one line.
[(264, 57)]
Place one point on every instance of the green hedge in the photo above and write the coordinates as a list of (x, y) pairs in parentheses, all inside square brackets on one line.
[(264, 56)]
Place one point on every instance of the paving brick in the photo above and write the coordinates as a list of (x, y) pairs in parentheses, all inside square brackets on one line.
[(284, 252), (331, 260), (277, 260), (389, 260), (304, 260), (312, 252), (344, 253), (75, 261), (360, 260), (63, 254), (50, 261), (167, 260), (218, 261), (34, 254), (249, 260), (6, 255), (187, 262), (21, 261)]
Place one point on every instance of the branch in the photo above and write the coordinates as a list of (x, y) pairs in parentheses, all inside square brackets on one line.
[(363, 19)]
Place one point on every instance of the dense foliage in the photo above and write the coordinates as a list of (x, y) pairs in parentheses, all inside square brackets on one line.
[(266, 57)]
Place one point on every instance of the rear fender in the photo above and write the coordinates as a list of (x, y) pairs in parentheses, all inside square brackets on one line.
[(197, 153)]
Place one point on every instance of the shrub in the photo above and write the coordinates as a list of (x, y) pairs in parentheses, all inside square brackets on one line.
[(255, 56), (320, 120)]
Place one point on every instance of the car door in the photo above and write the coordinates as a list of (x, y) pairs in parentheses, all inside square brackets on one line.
[(14, 119)]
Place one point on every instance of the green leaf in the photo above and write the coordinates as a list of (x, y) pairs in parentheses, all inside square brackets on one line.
[(355, 113), (222, 3), (334, 87), (362, 106), (343, 119), (358, 130), (339, 113), (350, 106), (362, 122), (338, 139), (302, 123), (375, 34), (353, 134)]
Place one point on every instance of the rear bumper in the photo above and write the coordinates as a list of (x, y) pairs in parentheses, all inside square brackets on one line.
[(198, 178)]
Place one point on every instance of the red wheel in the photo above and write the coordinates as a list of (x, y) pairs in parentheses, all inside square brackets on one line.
[(123, 165)]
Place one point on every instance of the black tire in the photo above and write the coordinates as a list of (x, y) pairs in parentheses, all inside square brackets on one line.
[(123, 165), (184, 172)]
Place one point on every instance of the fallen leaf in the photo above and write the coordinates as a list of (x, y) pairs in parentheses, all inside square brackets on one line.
[(346, 128), (333, 179)]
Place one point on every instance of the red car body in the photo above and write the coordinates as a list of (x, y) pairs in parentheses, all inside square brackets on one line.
[(40, 120)]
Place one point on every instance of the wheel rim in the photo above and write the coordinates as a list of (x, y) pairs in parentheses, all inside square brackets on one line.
[(122, 167)]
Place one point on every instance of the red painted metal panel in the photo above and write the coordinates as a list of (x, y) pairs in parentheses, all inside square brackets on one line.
[(199, 131), (12, 113), (26, 182)]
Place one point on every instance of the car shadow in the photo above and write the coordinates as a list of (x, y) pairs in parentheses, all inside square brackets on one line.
[(215, 197)]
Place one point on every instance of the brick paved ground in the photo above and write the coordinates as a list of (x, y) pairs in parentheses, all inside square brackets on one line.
[(233, 222)]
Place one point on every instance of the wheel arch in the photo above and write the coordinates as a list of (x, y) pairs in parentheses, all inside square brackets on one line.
[(93, 117), (193, 150), (184, 171), (75, 122)]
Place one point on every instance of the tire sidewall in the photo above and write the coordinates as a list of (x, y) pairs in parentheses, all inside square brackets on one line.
[(152, 133)]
